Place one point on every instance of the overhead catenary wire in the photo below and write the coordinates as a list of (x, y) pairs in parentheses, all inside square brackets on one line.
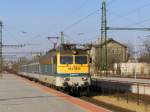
[(23, 44), (137, 9), (13, 37), (8, 32), (81, 20), (118, 16), (35, 37), (78, 8), (138, 23), (132, 11), (111, 2), (133, 24), (87, 16), (12, 45), (83, 4)]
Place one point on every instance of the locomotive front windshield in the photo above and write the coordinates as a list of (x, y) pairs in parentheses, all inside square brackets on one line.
[(80, 59), (66, 59)]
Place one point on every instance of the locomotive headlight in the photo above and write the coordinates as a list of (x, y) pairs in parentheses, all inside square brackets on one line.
[(75, 52), (84, 78), (66, 79)]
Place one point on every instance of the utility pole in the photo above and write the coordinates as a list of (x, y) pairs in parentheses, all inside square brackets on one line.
[(103, 44), (1, 45), (62, 38), (1, 48)]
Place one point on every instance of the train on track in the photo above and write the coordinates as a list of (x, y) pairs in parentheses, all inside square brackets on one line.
[(65, 68)]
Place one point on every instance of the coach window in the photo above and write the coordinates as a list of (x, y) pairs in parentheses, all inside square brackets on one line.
[(66, 59)]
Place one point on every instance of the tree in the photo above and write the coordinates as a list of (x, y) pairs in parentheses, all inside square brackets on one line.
[(145, 50), (131, 49)]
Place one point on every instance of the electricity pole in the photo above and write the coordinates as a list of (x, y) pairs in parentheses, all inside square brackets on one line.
[(62, 37), (1, 48), (103, 44), (1, 45)]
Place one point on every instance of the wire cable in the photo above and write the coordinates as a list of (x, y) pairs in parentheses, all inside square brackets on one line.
[(135, 10), (111, 2), (82, 5), (138, 23), (81, 20), (118, 15)]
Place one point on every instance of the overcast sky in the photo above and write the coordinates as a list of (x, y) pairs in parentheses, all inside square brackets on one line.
[(31, 21)]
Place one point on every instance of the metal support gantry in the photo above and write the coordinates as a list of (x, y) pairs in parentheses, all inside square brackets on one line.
[(103, 44), (1, 48)]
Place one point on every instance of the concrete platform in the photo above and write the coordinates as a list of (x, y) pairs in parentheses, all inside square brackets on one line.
[(138, 86), (20, 95), (126, 80)]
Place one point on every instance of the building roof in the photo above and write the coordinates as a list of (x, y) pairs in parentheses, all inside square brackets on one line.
[(110, 40)]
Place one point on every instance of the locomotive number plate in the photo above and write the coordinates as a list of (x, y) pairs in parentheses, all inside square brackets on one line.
[(74, 68)]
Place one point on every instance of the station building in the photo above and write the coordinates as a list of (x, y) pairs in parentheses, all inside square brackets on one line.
[(116, 53)]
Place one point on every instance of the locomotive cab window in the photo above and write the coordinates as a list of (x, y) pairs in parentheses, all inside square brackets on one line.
[(81, 59), (66, 59)]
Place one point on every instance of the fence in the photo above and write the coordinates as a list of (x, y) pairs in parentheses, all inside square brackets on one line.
[(130, 92)]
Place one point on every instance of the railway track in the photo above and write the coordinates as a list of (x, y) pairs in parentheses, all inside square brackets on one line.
[(105, 105), (138, 77), (111, 107)]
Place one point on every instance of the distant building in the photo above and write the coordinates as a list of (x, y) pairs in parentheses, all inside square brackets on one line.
[(116, 53), (132, 68)]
